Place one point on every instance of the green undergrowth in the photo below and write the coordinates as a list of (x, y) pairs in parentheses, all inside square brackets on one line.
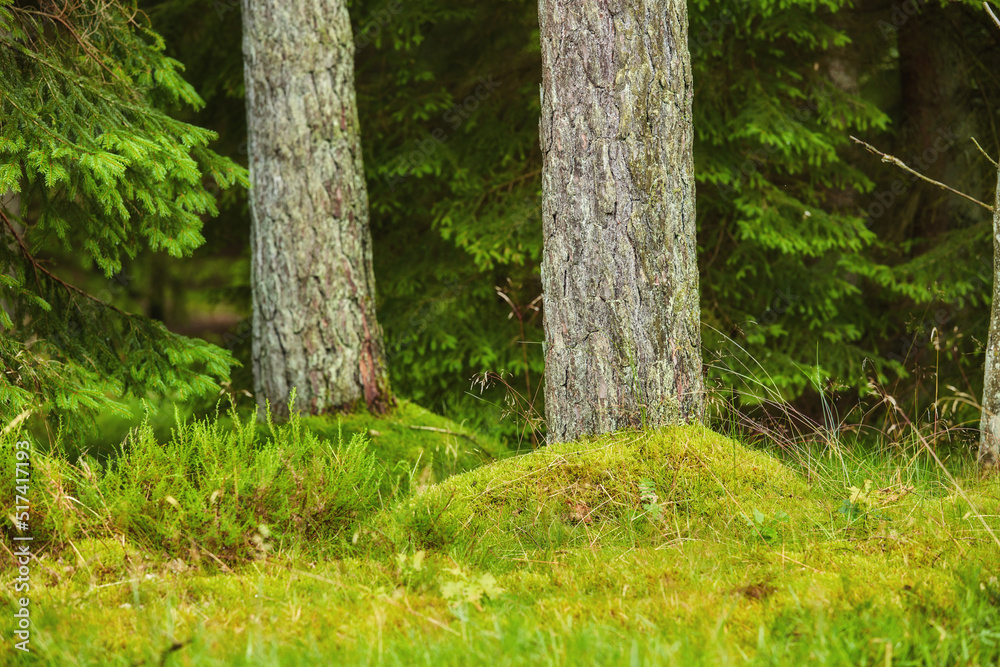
[(227, 489), (670, 547), (411, 443), (414, 445), (216, 492)]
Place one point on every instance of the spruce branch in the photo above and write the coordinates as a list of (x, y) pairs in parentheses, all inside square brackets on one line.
[(39, 269), (902, 165), (64, 17), (85, 134)]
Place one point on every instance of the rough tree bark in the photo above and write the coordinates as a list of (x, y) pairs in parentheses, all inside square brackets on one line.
[(314, 325), (619, 269), (989, 426)]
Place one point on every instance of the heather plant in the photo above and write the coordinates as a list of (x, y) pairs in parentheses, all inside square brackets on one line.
[(216, 490)]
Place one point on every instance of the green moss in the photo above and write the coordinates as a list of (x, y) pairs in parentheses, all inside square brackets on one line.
[(565, 491), (681, 556)]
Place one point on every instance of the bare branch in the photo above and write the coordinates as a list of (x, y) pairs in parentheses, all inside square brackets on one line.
[(39, 270), (985, 154), (992, 15), (443, 430), (899, 163)]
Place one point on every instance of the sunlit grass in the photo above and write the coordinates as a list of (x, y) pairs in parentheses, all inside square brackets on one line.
[(677, 546)]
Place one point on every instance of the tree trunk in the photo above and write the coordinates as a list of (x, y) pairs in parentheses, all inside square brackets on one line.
[(940, 97), (989, 426), (619, 270), (314, 325), (10, 204)]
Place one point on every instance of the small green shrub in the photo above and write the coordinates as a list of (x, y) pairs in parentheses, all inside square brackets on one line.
[(63, 500), (220, 489), (464, 587), (767, 528), (860, 505), (212, 488), (649, 499)]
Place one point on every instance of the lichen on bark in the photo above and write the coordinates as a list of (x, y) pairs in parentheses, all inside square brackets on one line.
[(619, 272), (314, 323), (989, 438)]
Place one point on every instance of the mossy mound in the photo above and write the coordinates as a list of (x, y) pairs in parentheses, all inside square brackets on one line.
[(648, 484)]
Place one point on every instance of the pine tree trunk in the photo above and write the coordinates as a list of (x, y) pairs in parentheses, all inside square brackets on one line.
[(940, 108), (619, 270), (989, 436), (314, 325), (10, 204)]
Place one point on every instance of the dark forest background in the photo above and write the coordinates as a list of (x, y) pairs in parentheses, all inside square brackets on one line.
[(826, 275)]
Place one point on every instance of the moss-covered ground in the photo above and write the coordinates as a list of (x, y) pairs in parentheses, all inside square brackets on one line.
[(677, 546)]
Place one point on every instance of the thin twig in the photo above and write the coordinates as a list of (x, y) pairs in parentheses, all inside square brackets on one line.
[(899, 163), (792, 560), (519, 178), (992, 15), (39, 269), (17, 420), (195, 545), (443, 430), (317, 577), (985, 154), (529, 560), (114, 583), (419, 615)]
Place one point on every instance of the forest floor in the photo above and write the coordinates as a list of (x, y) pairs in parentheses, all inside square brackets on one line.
[(677, 546)]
